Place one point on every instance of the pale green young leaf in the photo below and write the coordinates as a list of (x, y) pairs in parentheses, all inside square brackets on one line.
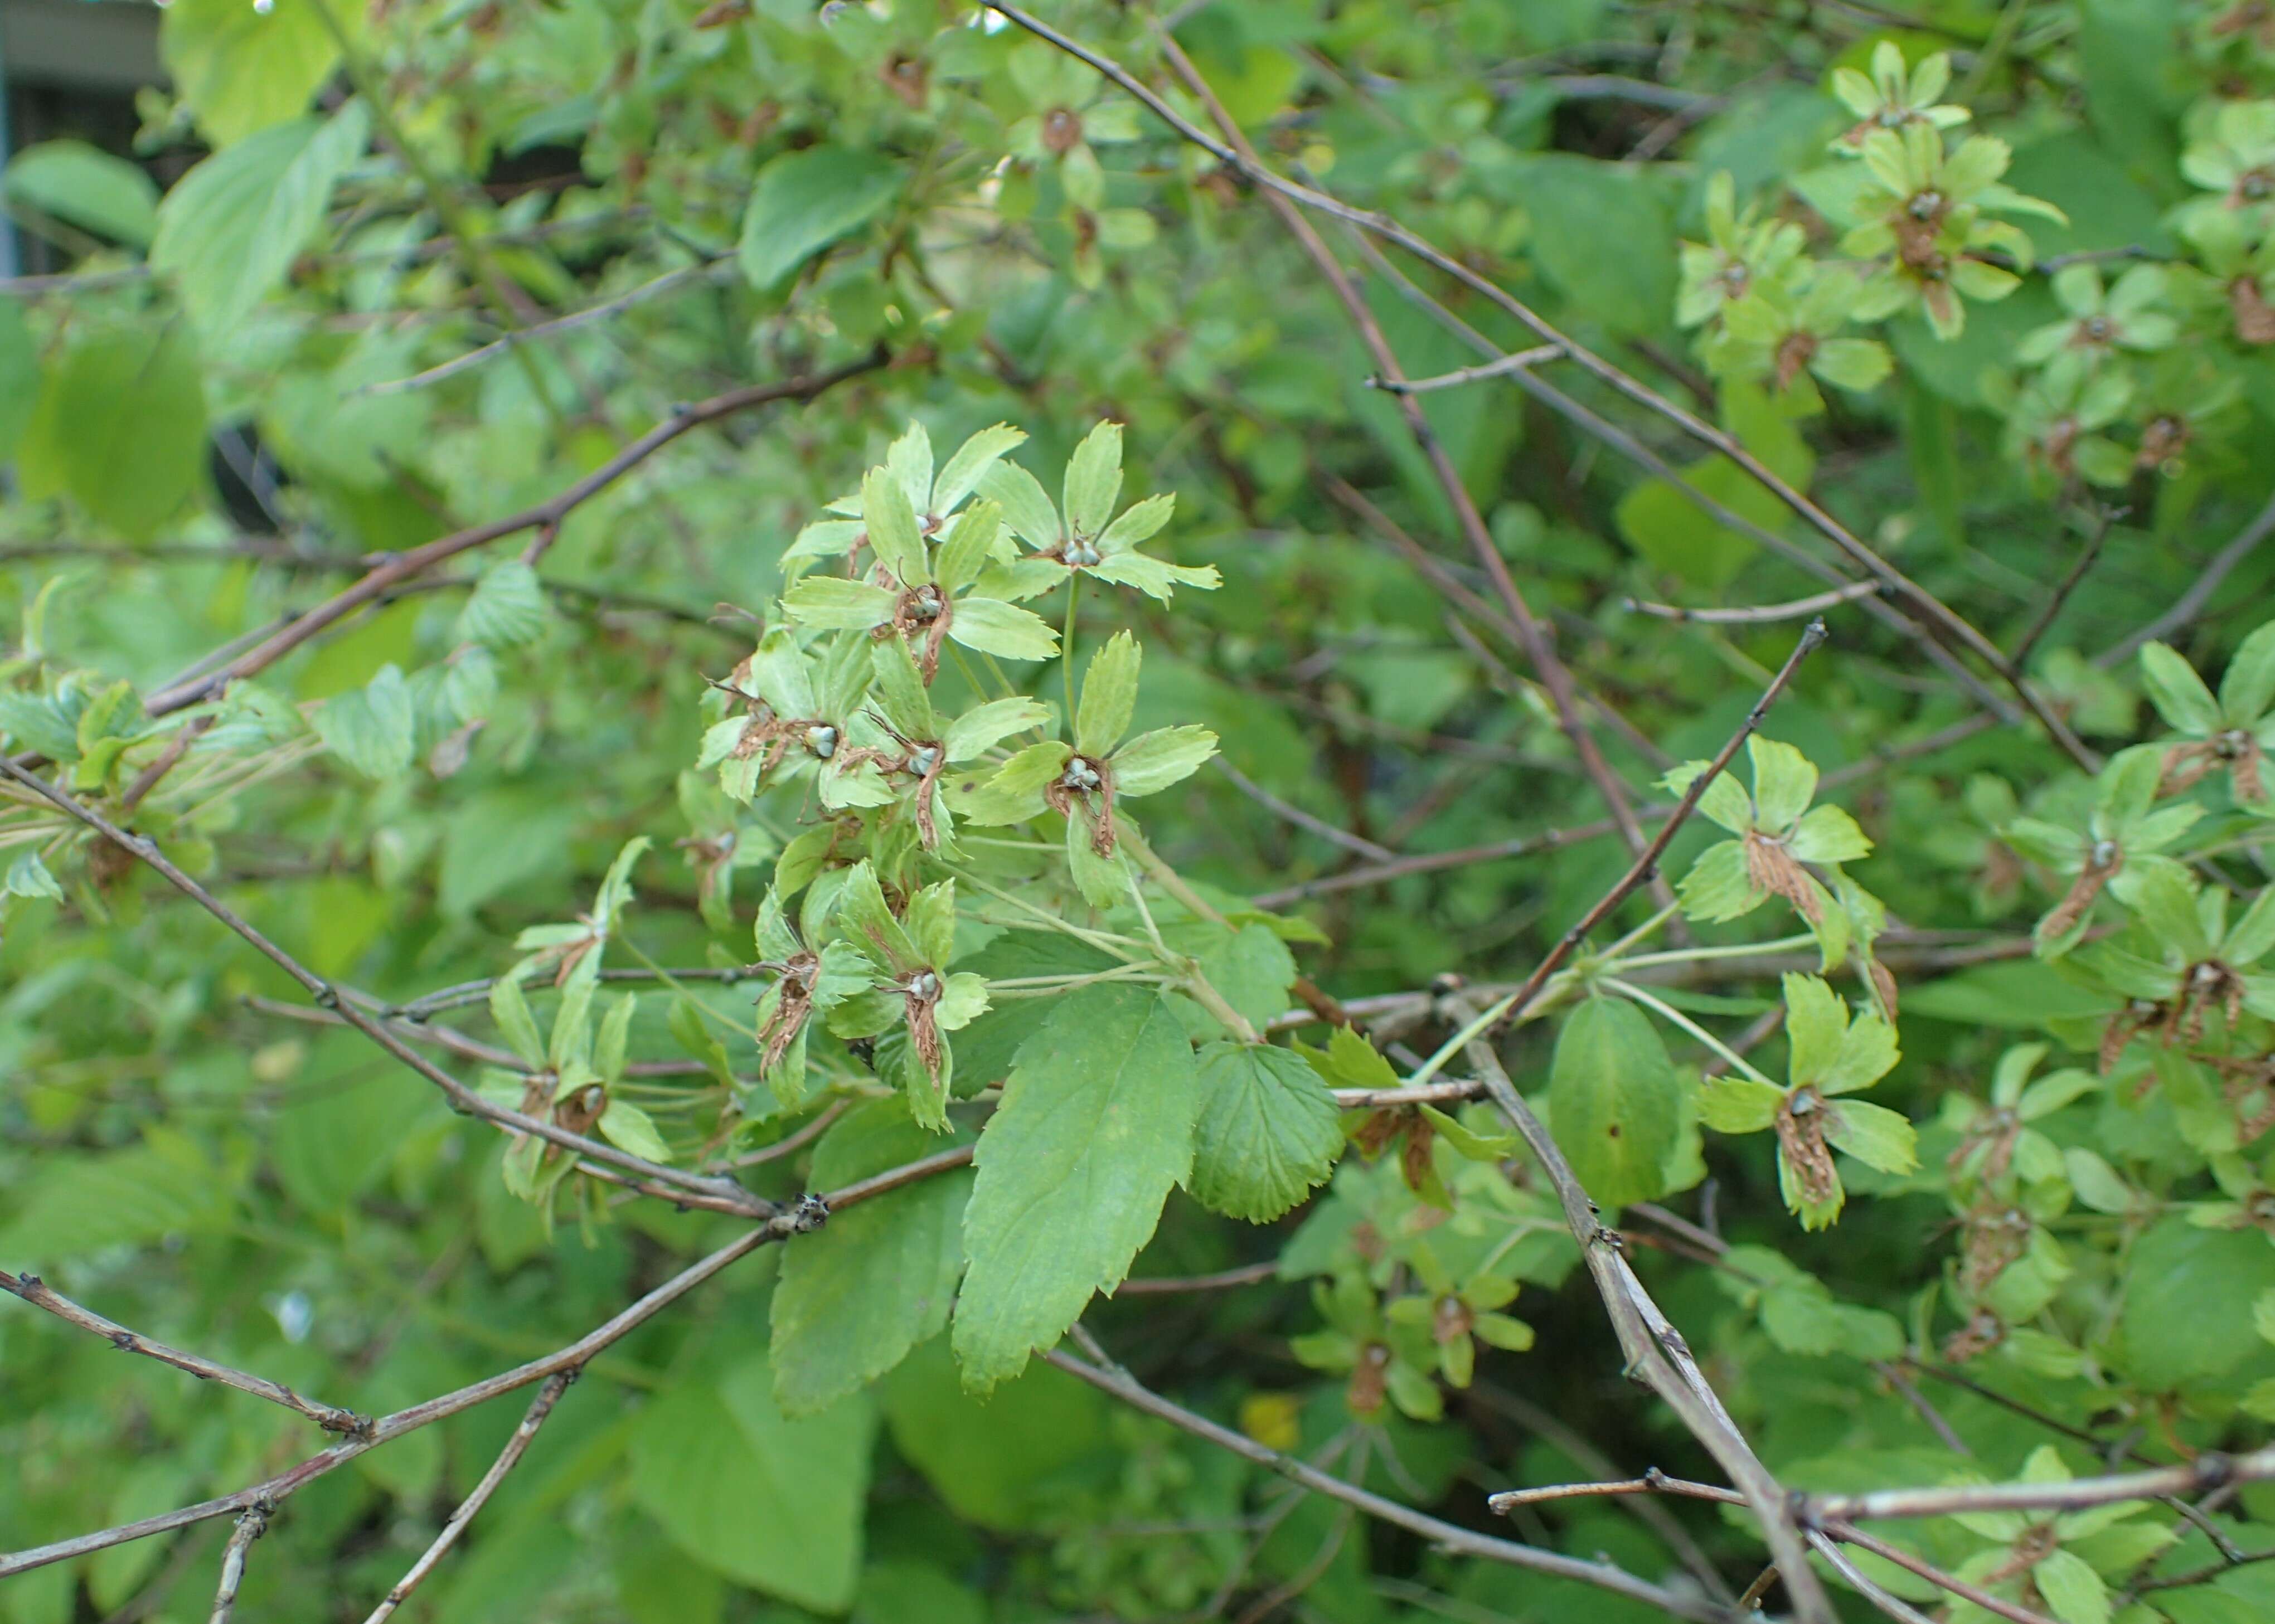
[(1095, 1126), (2252, 937), (1467, 1141), (971, 463), (1724, 802), (909, 460), (1268, 1133), (1136, 523), (84, 186), (2247, 689), (2076, 1593), (372, 728), (628, 1128), (1026, 506), (879, 1279), (969, 546), (510, 1009), (1109, 695), (1154, 761), (1093, 479), (985, 726), (1351, 1061), (1816, 1023), (1868, 1053), (1614, 1102), (230, 231), (1873, 1135), (2178, 692), (1014, 792), (900, 691), (993, 627), (1718, 886), (1784, 782), (1828, 835), (615, 1033), (29, 876), (1739, 1104), (892, 534), (1102, 877), (1153, 576), (832, 603)]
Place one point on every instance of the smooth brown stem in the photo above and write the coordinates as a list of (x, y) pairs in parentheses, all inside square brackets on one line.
[(1226, 1279)]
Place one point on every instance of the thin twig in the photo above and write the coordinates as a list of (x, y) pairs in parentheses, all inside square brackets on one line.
[(2060, 595), (1761, 614), (1233, 152), (508, 1458), (2207, 1471), (1647, 862), (329, 996), (2191, 603), (1165, 1285), (1516, 361), (1113, 1380), (400, 567), (585, 317), (36, 1292), (251, 1524), (1297, 815)]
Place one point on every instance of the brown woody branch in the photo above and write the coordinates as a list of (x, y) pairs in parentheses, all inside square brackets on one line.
[(329, 997), (394, 569), (251, 1524), (509, 1457), (2207, 1471), (1532, 636), (1233, 153), (39, 1293), (1118, 1383)]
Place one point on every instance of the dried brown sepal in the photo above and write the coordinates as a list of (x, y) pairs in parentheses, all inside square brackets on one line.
[(1370, 1381), (920, 998), (1983, 1331), (1995, 1135), (1381, 1127), (1453, 1319), (2249, 1088), (2102, 865), (2123, 1027), (1884, 982), (1801, 1140), (1770, 867), (2185, 766), (2255, 321), (1996, 1237), (1416, 1162), (796, 986), (582, 1109)]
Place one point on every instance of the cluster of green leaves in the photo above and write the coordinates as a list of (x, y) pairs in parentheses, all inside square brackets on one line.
[(815, 901)]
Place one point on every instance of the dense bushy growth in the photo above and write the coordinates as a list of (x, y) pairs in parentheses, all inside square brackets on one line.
[(612, 570)]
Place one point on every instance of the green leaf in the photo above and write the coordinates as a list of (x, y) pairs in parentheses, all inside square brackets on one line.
[(1601, 237), (1614, 1102), (833, 603), (770, 1501), (1816, 1022), (628, 1128), (372, 728), (2178, 692), (1027, 507), (1154, 761), (1096, 1124), (228, 232), (879, 1278), (242, 68), (1739, 1104), (2072, 1589), (1093, 479), (892, 534), (120, 428), (1268, 1135), (86, 187), (2249, 687), (1873, 1135), (1784, 783), (28, 876), (1109, 694), (73, 1205), (997, 628), (806, 201), (506, 609), (1002, 1463), (515, 1023), (973, 460), (2188, 1308)]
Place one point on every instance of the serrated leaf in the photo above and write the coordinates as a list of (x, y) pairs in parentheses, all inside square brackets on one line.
[(1109, 695), (1614, 1102), (515, 1023), (1739, 1104), (1784, 782), (2074, 1592), (994, 627), (628, 1128), (507, 607), (1093, 479), (806, 201), (1095, 1125), (1154, 761), (2178, 692), (1268, 1134), (372, 728), (1873, 1135)]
